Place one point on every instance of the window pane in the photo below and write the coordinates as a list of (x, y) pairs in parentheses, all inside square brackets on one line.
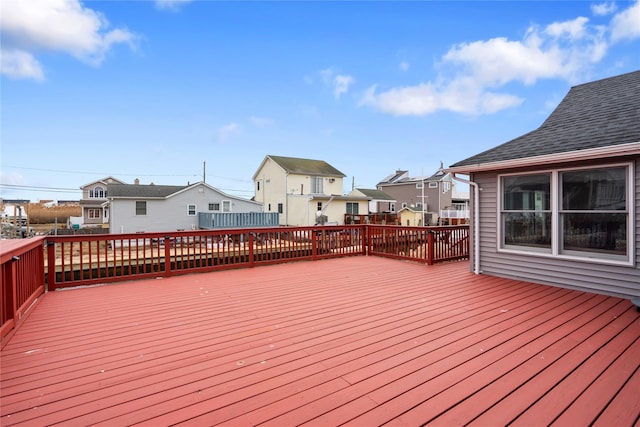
[(595, 232), (594, 189), (141, 208), (526, 192), (527, 229)]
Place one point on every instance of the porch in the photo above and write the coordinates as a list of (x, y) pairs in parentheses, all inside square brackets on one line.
[(361, 340)]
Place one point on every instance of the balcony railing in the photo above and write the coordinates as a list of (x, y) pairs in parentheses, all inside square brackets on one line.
[(98, 259)]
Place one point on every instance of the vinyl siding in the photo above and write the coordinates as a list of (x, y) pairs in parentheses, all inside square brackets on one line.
[(170, 214), (576, 274)]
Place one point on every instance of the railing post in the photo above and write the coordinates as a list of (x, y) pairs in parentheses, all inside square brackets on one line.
[(51, 266), (430, 247), (251, 254), (167, 255), (314, 244)]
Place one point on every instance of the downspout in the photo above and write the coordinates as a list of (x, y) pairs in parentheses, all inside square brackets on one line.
[(476, 221)]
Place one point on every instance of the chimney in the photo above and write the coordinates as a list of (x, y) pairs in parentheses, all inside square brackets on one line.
[(136, 181)]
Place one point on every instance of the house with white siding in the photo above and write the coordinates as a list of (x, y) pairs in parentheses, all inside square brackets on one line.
[(304, 191), (152, 208), (560, 205)]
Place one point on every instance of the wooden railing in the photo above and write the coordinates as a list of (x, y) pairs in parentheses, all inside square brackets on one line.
[(98, 259), (22, 281), (426, 244)]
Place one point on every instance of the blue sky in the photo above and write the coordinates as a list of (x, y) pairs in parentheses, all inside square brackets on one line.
[(154, 89)]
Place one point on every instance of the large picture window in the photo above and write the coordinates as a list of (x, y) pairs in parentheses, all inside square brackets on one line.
[(526, 212), (594, 211), (572, 212)]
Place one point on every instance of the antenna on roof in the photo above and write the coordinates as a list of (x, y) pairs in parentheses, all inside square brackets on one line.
[(204, 171)]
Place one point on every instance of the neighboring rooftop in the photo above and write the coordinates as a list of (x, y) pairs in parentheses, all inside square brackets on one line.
[(143, 191), (306, 166), (375, 194), (592, 115)]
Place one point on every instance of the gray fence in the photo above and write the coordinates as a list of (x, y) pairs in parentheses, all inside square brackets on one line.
[(215, 221)]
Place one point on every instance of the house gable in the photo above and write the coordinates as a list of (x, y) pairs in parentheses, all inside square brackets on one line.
[(593, 115)]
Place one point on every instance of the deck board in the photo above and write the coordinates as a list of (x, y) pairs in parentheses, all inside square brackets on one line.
[(360, 340)]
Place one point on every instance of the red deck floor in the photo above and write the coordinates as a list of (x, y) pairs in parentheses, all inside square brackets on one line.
[(363, 341)]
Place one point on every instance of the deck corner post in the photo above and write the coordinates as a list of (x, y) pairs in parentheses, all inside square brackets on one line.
[(430, 247)]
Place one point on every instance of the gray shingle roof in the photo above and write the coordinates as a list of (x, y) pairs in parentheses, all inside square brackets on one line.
[(143, 191), (306, 166), (375, 194), (597, 114)]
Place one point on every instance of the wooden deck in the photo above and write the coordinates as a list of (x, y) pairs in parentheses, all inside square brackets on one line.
[(361, 341)]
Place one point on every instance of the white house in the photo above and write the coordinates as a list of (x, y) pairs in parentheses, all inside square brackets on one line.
[(152, 208), (304, 191)]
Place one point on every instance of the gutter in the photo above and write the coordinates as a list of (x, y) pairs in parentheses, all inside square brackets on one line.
[(476, 221), (629, 149)]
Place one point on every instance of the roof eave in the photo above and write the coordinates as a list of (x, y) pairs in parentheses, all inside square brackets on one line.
[(628, 149)]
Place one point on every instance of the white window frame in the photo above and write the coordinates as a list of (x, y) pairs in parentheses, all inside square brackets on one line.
[(94, 213), (190, 211), (226, 206), (419, 185), (317, 185), (556, 226), (433, 185)]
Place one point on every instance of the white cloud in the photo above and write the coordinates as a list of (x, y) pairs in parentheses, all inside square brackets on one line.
[(474, 74), (17, 64), (171, 5), (626, 24), (70, 28), (339, 83), (226, 131), (603, 9), (261, 121)]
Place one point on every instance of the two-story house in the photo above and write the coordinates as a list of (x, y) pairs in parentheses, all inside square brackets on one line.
[(304, 191), (94, 202), (434, 195)]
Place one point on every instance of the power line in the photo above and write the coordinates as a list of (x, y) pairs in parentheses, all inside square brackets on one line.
[(121, 174)]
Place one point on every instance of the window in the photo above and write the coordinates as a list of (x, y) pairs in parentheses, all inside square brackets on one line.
[(226, 206), (419, 185), (433, 185), (94, 213), (214, 206), (98, 193), (257, 185), (392, 207), (316, 185), (280, 208), (191, 210), (446, 186), (593, 213), (404, 205), (569, 213), (526, 211), (352, 208), (141, 208), (319, 206)]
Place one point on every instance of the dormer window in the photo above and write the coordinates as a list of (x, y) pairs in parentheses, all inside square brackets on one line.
[(98, 193)]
